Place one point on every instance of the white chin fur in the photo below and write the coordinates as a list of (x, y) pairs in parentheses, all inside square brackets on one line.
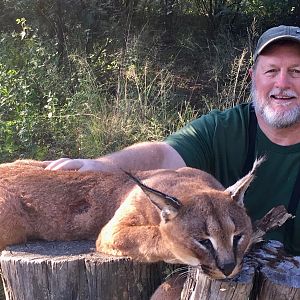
[(192, 261)]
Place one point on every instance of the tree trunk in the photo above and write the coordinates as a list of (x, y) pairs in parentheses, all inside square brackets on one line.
[(168, 14), (73, 270), (268, 274)]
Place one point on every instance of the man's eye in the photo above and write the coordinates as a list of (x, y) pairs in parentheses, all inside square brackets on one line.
[(295, 72), (270, 71)]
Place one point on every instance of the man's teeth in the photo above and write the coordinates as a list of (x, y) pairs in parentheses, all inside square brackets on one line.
[(282, 97)]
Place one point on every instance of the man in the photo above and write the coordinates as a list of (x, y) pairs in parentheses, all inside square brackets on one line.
[(226, 143)]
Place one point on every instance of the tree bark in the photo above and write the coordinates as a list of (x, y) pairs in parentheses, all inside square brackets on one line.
[(268, 273), (199, 286), (278, 275), (73, 270)]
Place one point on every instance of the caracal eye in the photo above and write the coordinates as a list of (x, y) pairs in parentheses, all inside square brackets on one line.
[(236, 239), (206, 243)]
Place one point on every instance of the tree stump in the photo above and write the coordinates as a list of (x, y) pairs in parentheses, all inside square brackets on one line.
[(199, 286), (268, 273), (73, 270)]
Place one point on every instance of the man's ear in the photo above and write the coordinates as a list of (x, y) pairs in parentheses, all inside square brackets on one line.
[(167, 205), (251, 72)]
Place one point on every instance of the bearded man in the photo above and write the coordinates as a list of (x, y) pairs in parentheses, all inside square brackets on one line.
[(225, 143)]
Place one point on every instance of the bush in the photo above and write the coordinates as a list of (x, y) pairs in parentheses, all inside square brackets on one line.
[(33, 93), (87, 107)]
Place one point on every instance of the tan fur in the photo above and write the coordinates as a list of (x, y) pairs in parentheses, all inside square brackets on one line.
[(170, 289), (61, 205)]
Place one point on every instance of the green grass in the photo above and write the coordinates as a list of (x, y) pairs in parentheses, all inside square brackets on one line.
[(94, 105)]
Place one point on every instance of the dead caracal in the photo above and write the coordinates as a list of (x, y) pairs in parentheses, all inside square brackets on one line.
[(183, 216)]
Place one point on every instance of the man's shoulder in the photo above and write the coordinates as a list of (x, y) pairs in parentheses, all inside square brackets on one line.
[(238, 111), (235, 116), (213, 138)]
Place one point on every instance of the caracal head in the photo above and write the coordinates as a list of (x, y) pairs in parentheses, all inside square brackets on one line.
[(208, 229)]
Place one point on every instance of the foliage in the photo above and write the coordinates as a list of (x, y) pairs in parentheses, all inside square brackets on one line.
[(49, 111), (142, 109), (31, 92), (273, 11), (84, 78)]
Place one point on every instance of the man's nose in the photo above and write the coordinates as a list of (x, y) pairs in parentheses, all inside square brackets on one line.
[(283, 80)]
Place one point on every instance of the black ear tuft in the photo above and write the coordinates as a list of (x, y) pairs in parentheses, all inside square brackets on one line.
[(168, 205), (237, 190)]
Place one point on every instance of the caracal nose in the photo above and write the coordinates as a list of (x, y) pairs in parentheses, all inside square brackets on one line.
[(227, 268)]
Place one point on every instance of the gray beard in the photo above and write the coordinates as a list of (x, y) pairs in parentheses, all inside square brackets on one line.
[(275, 119)]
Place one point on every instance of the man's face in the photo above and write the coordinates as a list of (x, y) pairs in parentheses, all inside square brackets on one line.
[(276, 85)]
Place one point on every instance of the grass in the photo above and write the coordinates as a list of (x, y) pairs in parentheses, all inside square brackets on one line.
[(96, 105)]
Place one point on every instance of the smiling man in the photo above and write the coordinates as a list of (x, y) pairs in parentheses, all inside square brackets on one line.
[(276, 87), (225, 143)]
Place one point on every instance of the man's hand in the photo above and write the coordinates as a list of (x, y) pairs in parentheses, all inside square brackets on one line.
[(77, 164), (141, 156)]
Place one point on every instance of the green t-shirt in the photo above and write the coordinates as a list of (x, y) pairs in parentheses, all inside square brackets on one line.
[(218, 143)]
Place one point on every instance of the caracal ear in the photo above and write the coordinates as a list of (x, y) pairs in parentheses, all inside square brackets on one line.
[(167, 205), (237, 191)]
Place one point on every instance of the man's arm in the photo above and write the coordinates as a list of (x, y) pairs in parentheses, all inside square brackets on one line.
[(141, 156)]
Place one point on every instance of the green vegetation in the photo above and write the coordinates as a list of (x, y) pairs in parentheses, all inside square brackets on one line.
[(82, 79)]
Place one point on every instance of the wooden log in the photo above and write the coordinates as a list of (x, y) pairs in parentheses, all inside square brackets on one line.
[(279, 273), (200, 286), (276, 217), (268, 273), (73, 270)]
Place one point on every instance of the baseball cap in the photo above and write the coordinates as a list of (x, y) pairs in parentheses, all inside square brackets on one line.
[(273, 34)]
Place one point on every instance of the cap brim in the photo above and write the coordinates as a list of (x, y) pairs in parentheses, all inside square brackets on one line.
[(277, 38)]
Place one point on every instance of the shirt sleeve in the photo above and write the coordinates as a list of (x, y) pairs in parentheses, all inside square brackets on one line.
[(194, 143)]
